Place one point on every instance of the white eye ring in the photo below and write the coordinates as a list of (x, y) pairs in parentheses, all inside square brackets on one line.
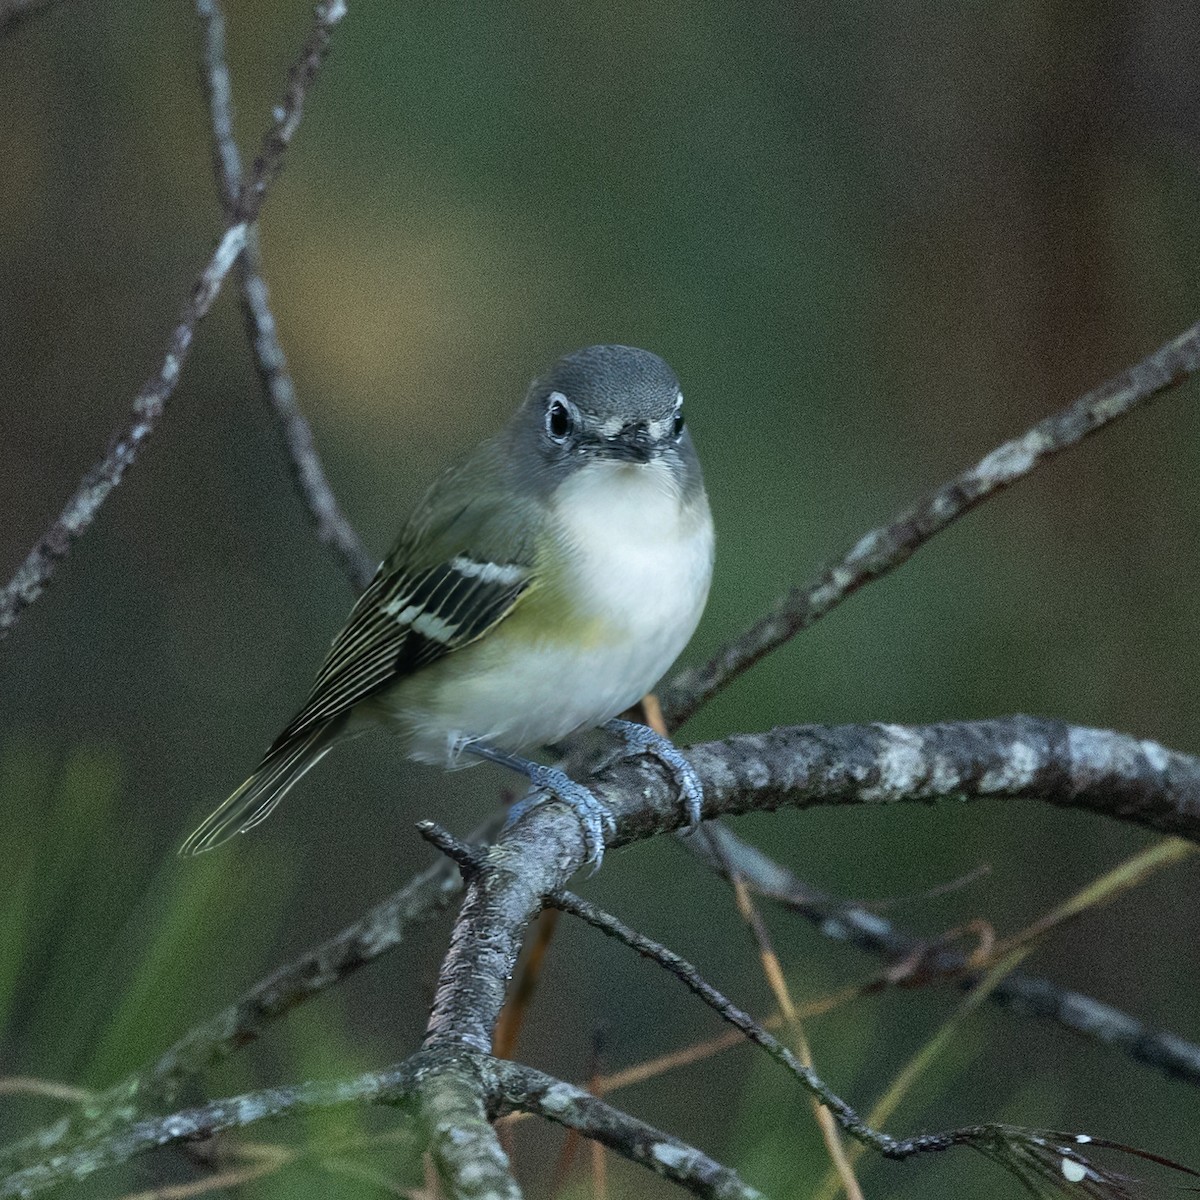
[(560, 417), (679, 423)]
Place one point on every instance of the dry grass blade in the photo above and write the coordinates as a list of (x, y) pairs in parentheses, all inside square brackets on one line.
[(773, 971), (1004, 958)]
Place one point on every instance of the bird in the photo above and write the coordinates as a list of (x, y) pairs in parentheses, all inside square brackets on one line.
[(542, 586)]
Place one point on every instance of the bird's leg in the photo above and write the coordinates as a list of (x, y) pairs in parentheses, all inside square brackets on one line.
[(595, 818), (641, 739)]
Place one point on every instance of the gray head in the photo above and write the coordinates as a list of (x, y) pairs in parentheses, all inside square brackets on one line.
[(613, 403)]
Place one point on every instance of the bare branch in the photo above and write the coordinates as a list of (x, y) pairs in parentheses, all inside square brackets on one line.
[(80, 511), (1036, 758), (885, 548), (192, 1124), (480, 936), (331, 524), (287, 116), (389, 924), (522, 1089)]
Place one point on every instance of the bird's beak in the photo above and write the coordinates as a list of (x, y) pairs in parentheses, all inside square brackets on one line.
[(632, 444)]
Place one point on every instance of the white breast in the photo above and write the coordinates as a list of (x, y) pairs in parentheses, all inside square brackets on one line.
[(639, 562)]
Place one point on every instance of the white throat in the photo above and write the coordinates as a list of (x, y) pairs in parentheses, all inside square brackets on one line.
[(641, 553)]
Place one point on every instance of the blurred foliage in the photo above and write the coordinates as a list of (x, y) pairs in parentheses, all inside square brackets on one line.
[(873, 240)]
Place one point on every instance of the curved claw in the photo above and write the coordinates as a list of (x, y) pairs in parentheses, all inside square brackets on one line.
[(641, 739), (595, 818)]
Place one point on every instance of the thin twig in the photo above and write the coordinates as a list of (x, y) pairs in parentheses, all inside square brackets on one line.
[(1006, 956), (330, 523), (204, 1121), (288, 114), (80, 511), (885, 548), (30, 1085), (1027, 995), (691, 978), (1026, 1153)]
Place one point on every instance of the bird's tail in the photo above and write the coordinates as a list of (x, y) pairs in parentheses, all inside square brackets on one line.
[(254, 800)]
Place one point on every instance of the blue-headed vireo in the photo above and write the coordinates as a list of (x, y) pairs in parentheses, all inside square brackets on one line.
[(543, 585)]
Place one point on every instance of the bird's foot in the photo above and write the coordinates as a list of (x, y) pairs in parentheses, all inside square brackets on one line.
[(641, 739), (549, 783)]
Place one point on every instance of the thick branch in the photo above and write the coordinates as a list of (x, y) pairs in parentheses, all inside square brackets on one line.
[(803, 766), (454, 1103), (884, 549), (1111, 773), (1036, 758)]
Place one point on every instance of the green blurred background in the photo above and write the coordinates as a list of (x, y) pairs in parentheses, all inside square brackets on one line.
[(873, 240)]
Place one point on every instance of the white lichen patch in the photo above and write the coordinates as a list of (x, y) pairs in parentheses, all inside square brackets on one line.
[(559, 1098), (1082, 1139), (868, 547), (472, 1174), (1073, 1172), (1014, 774), (1012, 459), (901, 766), (670, 1156), (1095, 752), (943, 777), (1156, 755)]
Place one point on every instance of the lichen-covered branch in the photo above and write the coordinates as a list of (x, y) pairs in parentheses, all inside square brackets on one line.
[(455, 1105), (885, 548), (1030, 1154), (530, 863), (522, 1089), (80, 511), (137, 1137), (1035, 758), (332, 526)]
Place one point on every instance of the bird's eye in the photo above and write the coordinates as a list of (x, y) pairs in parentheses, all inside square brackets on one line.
[(679, 421), (559, 421)]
